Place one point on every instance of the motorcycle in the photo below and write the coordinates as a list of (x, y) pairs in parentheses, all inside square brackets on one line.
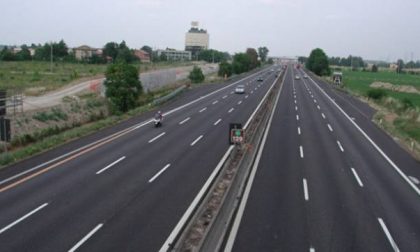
[(158, 122)]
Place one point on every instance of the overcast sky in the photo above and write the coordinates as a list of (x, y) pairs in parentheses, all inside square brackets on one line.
[(373, 29)]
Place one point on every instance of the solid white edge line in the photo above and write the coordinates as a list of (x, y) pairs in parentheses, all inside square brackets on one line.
[(196, 140), (396, 168), (167, 244), (305, 189), (156, 137), (110, 165), (217, 122), (203, 109), (159, 173), (184, 121), (235, 227), (357, 177), (301, 151), (340, 146), (129, 129), (80, 243), (388, 235), (23, 218)]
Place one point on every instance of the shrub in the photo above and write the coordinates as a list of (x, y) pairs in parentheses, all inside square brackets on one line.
[(407, 103), (376, 94), (196, 75)]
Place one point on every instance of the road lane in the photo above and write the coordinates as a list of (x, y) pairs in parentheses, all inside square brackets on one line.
[(124, 192)]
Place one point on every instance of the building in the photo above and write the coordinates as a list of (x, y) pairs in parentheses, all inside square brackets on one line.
[(196, 39), (85, 52), (143, 56), (175, 55)]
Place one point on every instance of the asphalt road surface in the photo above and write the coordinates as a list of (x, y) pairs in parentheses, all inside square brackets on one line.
[(328, 179), (127, 191)]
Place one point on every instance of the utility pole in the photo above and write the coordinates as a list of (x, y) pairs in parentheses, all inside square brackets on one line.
[(51, 54)]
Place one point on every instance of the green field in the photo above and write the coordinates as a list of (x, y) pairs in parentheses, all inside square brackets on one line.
[(20, 76), (358, 82)]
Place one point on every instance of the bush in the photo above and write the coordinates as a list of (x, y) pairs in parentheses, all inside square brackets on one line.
[(376, 94), (407, 103), (196, 75)]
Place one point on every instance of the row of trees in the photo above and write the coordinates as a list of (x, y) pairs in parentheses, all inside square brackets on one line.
[(350, 61), (243, 62)]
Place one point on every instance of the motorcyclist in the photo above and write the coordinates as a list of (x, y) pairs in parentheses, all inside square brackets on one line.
[(159, 115)]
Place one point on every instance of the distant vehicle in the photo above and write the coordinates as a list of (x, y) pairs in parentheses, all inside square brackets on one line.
[(240, 89), (297, 77), (260, 78), (305, 76)]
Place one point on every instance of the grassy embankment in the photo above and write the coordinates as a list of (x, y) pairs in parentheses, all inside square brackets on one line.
[(398, 112), (36, 78)]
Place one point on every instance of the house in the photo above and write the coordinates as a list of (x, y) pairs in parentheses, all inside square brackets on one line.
[(84, 51), (393, 66), (142, 55)]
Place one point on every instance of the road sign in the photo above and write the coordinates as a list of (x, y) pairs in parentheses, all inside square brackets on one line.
[(237, 136), (236, 133)]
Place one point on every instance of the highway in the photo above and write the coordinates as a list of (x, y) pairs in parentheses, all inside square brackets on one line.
[(328, 179), (124, 188)]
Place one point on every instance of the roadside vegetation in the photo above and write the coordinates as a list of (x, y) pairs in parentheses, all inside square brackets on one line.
[(396, 97), (394, 93)]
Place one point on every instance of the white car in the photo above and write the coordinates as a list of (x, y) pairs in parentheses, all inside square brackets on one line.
[(297, 77), (305, 76), (240, 89)]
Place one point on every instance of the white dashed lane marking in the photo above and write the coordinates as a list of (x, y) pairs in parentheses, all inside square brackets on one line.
[(184, 121)]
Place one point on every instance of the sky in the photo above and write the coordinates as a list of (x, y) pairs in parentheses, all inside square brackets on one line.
[(373, 29)]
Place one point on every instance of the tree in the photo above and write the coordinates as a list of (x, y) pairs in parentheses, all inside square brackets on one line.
[(225, 69), (212, 55), (253, 56), (318, 62), (7, 55), (24, 53), (410, 64), (374, 68), (123, 86), (263, 52), (241, 63), (196, 75), (400, 65), (111, 50)]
